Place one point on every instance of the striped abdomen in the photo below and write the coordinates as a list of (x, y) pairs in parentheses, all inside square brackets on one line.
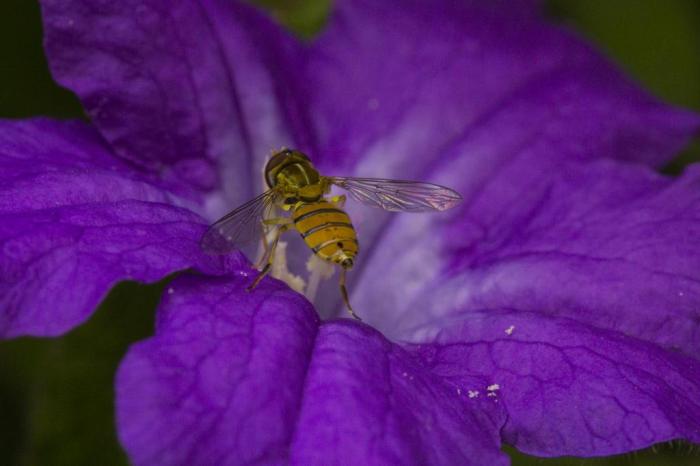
[(327, 230)]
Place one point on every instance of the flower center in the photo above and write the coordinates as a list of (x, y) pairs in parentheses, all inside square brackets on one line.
[(318, 270)]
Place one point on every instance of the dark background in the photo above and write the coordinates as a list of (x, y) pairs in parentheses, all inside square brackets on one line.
[(56, 395)]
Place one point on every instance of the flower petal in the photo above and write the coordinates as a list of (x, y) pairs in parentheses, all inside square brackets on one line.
[(234, 377), (574, 389), (220, 382), (446, 69), (490, 103), (74, 220), (368, 399), (615, 246), (177, 87)]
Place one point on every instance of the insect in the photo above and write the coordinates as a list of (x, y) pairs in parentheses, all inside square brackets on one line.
[(295, 186)]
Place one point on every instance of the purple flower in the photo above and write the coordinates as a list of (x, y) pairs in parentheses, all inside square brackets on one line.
[(555, 310)]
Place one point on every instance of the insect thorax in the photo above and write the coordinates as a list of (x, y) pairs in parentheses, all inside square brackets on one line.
[(295, 177)]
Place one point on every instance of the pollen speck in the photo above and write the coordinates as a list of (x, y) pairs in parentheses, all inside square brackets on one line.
[(171, 290), (493, 387), (473, 393), (281, 272), (509, 330)]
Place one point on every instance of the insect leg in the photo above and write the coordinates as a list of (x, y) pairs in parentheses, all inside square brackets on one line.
[(284, 224), (268, 265), (267, 223), (344, 293), (339, 201), (266, 249), (277, 221)]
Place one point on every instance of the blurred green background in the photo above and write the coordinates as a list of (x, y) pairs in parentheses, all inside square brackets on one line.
[(56, 395)]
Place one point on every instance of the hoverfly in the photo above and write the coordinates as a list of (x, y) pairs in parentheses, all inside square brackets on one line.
[(295, 186)]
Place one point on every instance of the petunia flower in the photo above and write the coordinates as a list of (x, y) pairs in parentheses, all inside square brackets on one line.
[(555, 310)]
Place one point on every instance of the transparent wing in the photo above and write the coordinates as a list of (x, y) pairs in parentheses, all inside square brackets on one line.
[(399, 195), (239, 227)]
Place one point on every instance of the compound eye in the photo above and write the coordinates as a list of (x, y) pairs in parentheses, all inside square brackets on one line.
[(282, 157), (277, 159)]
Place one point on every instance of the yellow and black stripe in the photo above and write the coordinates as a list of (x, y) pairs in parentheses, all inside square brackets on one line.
[(327, 230)]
